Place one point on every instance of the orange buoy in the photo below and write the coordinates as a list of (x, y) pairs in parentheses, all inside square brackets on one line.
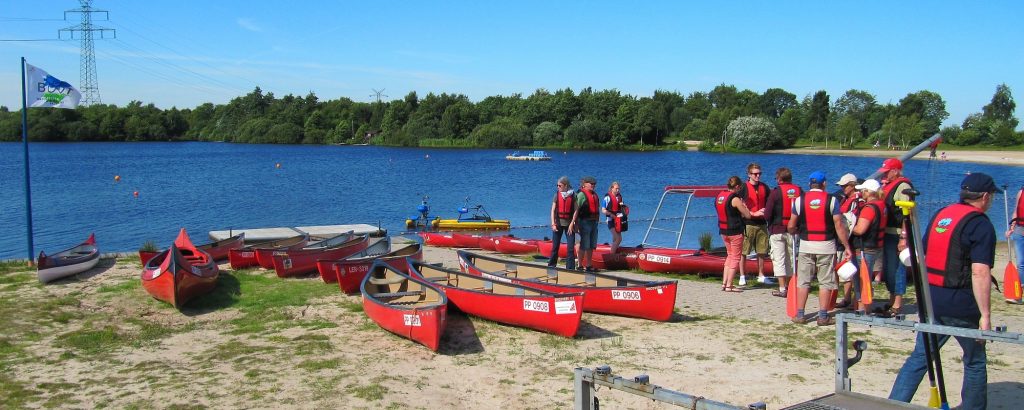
[(135, 194), (117, 178)]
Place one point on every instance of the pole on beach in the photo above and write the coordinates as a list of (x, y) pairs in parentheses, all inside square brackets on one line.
[(28, 186), (910, 154)]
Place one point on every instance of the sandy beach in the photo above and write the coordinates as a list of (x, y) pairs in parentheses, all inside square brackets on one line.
[(982, 157), (98, 340)]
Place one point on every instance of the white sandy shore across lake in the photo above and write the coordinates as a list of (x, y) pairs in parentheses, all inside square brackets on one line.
[(1015, 158)]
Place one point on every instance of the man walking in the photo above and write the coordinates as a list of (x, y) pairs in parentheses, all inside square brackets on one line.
[(959, 247), (820, 226)]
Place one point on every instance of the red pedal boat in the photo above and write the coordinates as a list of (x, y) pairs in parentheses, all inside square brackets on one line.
[(406, 306), (515, 246), (603, 293), (245, 256), (296, 262), (500, 300), (180, 273)]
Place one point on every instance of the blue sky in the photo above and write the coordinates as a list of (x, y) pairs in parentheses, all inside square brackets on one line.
[(184, 53)]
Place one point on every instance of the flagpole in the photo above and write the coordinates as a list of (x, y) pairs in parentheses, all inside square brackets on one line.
[(28, 186)]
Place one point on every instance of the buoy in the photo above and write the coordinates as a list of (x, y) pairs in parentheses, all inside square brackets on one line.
[(135, 194), (117, 178), (427, 156), (277, 165)]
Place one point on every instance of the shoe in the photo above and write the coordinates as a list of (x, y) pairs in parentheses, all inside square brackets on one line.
[(800, 320), (845, 304), (828, 321), (1015, 301), (743, 280), (770, 280), (760, 279), (779, 293)]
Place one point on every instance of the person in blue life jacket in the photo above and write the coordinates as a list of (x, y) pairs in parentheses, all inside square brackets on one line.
[(562, 208), (959, 246)]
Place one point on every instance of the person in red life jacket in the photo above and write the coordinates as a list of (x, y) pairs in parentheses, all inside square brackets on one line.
[(777, 212), (867, 236), (731, 213), (613, 208), (893, 271), (849, 200), (754, 194), (820, 225), (562, 208), (1015, 234), (959, 245), (584, 220)]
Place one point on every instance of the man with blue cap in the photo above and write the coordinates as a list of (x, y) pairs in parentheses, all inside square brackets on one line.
[(818, 222), (960, 249)]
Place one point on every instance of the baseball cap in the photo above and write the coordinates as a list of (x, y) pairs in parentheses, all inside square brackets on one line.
[(891, 163), (589, 179), (817, 177), (870, 185), (846, 179), (979, 182)]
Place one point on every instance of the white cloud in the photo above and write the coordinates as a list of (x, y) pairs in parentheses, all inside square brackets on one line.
[(249, 24)]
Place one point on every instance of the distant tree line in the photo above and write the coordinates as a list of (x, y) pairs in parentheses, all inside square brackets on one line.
[(739, 119)]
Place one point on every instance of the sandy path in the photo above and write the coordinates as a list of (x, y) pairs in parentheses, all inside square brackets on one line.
[(983, 157)]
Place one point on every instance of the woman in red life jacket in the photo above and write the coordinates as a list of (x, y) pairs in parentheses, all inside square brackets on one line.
[(612, 208), (1015, 233), (731, 212), (867, 236), (562, 208)]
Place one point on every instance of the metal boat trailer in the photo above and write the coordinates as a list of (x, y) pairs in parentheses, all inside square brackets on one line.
[(843, 398), (690, 191)]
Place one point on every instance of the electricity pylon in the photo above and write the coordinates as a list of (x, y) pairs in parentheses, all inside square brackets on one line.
[(89, 86)]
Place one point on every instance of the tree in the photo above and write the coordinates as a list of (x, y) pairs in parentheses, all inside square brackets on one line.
[(583, 132), (1002, 106), (848, 131), (929, 108), (502, 133), (904, 130), (857, 105), (752, 134), (723, 96), (791, 125), (819, 111), (547, 133), (775, 101)]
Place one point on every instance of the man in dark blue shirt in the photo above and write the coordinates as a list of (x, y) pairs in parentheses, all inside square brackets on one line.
[(959, 245)]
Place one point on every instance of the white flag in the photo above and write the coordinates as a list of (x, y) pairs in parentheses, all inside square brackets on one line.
[(44, 90)]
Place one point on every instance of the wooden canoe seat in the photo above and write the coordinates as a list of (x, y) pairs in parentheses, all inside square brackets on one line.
[(437, 278), (399, 294), (386, 281)]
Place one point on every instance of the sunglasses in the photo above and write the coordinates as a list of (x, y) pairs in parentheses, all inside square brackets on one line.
[(755, 173)]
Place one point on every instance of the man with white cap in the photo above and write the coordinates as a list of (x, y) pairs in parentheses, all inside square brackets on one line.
[(868, 233), (849, 203), (817, 221), (895, 274)]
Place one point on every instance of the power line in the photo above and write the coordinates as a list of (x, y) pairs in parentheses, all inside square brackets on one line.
[(90, 85)]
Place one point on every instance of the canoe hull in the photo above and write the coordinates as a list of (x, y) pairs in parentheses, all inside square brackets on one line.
[(515, 246), (245, 257), (652, 260), (349, 273), (603, 293), (299, 262), (170, 277), (68, 262), (418, 317), (219, 250)]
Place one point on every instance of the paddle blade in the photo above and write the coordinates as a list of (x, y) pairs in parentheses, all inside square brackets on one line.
[(933, 400), (1011, 282), (791, 297), (866, 297)]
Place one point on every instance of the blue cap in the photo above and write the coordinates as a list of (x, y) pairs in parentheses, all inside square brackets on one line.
[(979, 182), (817, 177)]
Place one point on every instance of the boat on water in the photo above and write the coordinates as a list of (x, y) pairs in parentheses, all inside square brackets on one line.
[(180, 273), (245, 256), (533, 156), (404, 305), (505, 302), (475, 217), (71, 261), (602, 292), (297, 262)]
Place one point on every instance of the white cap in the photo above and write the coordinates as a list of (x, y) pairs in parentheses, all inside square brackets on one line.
[(870, 185), (846, 179)]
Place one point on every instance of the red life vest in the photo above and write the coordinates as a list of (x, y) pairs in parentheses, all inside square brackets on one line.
[(947, 262), (563, 205), (614, 203), (851, 203), (589, 209), (815, 219), (788, 193), (895, 217), (756, 198), (729, 218), (1018, 216), (874, 237)]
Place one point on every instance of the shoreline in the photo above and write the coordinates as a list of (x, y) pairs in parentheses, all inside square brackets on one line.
[(1012, 158)]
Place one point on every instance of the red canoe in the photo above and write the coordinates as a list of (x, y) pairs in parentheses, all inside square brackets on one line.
[(219, 250), (689, 261), (603, 293), (487, 243), (296, 262), (450, 239), (245, 256), (180, 273), (501, 301), (350, 271), (515, 246), (406, 306), (623, 258), (326, 267)]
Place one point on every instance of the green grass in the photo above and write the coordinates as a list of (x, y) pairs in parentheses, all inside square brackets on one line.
[(13, 267), (91, 341), (371, 392), (261, 298)]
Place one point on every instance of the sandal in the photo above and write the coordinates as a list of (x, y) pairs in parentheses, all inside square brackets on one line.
[(779, 293), (732, 289)]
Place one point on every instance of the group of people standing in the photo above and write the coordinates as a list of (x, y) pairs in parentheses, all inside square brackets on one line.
[(861, 222), (576, 213)]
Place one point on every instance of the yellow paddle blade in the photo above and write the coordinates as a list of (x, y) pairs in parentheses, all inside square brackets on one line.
[(933, 401)]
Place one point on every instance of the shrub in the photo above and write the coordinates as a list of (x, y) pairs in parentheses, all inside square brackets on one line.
[(752, 134)]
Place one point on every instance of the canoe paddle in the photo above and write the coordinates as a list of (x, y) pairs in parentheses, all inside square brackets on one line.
[(866, 291), (1011, 277), (925, 314), (791, 289)]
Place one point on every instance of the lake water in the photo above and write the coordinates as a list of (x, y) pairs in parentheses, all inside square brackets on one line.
[(213, 186)]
